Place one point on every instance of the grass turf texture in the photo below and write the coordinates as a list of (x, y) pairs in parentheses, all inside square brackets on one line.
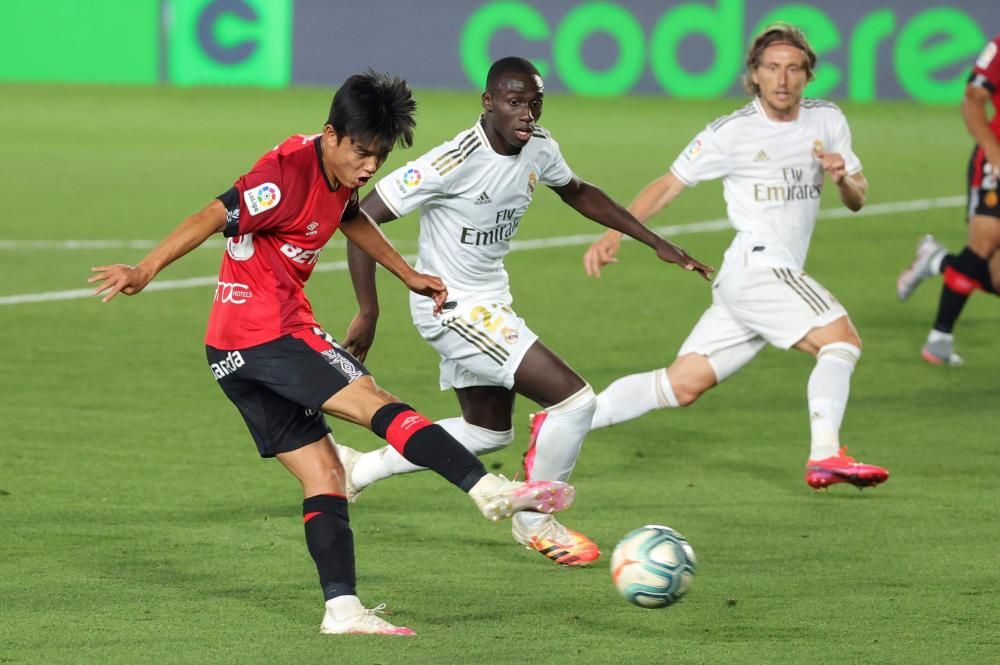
[(138, 523)]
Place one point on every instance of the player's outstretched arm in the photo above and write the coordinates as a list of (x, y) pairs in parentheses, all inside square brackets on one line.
[(652, 199), (367, 237), (192, 232), (593, 203)]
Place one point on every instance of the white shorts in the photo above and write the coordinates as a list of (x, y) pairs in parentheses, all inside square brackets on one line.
[(754, 304), (481, 340)]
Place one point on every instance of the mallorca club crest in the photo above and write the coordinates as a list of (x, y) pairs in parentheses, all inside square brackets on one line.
[(532, 181)]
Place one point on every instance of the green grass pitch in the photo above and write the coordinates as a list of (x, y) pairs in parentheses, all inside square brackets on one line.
[(138, 525)]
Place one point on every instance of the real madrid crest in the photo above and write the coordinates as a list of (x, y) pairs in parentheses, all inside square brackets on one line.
[(532, 180), (818, 148), (509, 335)]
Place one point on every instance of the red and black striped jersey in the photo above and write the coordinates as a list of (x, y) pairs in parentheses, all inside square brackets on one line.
[(279, 217)]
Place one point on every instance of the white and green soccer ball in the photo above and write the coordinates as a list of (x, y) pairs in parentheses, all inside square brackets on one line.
[(653, 566)]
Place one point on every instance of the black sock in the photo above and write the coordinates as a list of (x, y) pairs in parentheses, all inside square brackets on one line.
[(331, 543), (426, 444), (962, 275)]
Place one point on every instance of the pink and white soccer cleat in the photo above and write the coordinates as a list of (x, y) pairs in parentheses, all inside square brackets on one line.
[(353, 619), (499, 498), (840, 468)]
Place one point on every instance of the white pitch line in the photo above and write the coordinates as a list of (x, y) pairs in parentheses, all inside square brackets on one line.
[(515, 245)]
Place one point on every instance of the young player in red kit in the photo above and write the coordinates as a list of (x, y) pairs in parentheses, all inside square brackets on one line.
[(977, 266), (274, 361)]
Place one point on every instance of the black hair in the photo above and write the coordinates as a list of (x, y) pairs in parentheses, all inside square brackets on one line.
[(508, 65), (374, 109)]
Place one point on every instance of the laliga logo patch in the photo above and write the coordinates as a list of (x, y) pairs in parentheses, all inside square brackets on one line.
[(412, 178), (262, 198), (693, 149)]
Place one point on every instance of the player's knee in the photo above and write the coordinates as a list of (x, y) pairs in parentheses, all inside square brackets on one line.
[(692, 375), (844, 352), (687, 392), (580, 405), (486, 440)]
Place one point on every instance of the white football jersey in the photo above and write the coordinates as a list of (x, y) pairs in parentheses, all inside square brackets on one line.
[(471, 201), (772, 179)]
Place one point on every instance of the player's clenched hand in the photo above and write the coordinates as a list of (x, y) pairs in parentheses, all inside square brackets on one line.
[(430, 286), (671, 253), (833, 164), (119, 278), (360, 335), (601, 253)]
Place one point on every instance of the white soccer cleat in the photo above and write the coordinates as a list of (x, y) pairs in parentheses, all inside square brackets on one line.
[(348, 458), (939, 350), (499, 498), (347, 616), (929, 251)]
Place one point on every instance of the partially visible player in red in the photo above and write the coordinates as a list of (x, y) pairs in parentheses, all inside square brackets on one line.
[(276, 364), (977, 266)]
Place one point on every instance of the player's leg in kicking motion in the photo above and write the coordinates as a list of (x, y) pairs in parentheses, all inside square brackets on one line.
[(486, 426), (321, 473), (426, 444), (720, 345), (368, 468)]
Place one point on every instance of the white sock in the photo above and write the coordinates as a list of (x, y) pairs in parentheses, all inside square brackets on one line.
[(344, 607), (938, 336), (937, 260), (386, 461), (632, 396), (828, 390), (558, 443)]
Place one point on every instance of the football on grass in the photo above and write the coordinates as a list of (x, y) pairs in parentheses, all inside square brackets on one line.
[(653, 566)]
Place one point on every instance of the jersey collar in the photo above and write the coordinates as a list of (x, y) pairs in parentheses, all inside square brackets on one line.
[(481, 134), (319, 163), (757, 104)]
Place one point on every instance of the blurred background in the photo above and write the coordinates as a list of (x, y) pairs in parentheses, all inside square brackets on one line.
[(916, 49), (137, 523)]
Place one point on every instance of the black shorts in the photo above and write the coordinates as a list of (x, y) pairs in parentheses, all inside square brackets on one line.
[(279, 386), (984, 195)]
